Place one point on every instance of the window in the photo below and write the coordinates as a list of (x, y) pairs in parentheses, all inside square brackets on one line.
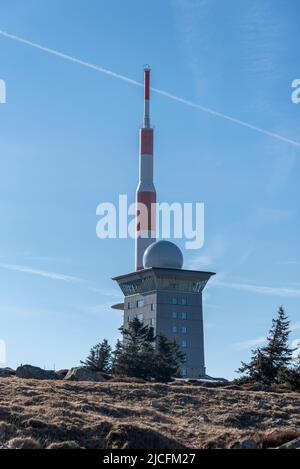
[(173, 300), (184, 372), (129, 306), (140, 317), (174, 329), (152, 307), (151, 322), (140, 303), (174, 315), (184, 316), (184, 344), (183, 301), (184, 330)]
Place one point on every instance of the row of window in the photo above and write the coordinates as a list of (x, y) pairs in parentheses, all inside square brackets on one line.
[(175, 330), (140, 304), (174, 301), (183, 315), (140, 317), (179, 301)]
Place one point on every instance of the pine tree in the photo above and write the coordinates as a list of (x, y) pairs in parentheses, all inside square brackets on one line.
[(266, 362), (169, 359), (277, 350), (290, 377), (297, 360), (99, 358), (116, 354), (136, 355), (258, 369), (137, 334)]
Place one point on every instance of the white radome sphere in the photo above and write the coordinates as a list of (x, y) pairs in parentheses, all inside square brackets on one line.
[(164, 255)]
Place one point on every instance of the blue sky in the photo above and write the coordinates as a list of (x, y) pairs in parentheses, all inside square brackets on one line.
[(69, 140)]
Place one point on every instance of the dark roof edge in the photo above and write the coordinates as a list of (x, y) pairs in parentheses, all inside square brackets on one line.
[(162, 269)]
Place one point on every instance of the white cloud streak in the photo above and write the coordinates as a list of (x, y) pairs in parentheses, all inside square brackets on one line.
[(252, 343), (259, 341), (62, 278), (156, 90), (42, 273), (210, 256), (259, 289), (70, 58)]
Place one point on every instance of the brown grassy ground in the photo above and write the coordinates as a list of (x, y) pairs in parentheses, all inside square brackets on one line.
[(59, 414)]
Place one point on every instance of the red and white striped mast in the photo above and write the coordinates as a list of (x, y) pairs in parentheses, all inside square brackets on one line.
[(146, 193)]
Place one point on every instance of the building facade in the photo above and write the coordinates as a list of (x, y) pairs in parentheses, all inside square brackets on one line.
[(169, 300)]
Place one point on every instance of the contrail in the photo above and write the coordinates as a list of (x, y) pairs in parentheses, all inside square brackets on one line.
[(156, 90), (41, 273), (225, 116), (70, 58)]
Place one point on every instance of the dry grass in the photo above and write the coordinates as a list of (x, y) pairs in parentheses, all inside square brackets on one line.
[(58, 414)]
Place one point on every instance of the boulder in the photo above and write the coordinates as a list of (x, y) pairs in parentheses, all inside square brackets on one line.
[(33, 372), (245, 444), (6, 372), (63, 372), (294, 444), (82, 374)]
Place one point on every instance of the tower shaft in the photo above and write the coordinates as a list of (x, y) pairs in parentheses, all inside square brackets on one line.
[(146, 193)]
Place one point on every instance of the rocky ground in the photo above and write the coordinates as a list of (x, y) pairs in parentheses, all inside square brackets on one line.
[(60, 414)]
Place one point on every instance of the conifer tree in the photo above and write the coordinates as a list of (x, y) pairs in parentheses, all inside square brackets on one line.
[(258, 369), (169, 359), (116, 354), (99, 358), (267, 362), (277, 349), (136, 355), (290, 377)]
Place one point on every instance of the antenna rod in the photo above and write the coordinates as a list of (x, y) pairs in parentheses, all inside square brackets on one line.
[(147, 72)]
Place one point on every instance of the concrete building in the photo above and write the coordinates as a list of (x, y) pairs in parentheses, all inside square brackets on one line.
[(160, 292), (169, 299)]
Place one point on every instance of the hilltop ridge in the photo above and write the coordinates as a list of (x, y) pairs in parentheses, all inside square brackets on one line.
[(59, 414)]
